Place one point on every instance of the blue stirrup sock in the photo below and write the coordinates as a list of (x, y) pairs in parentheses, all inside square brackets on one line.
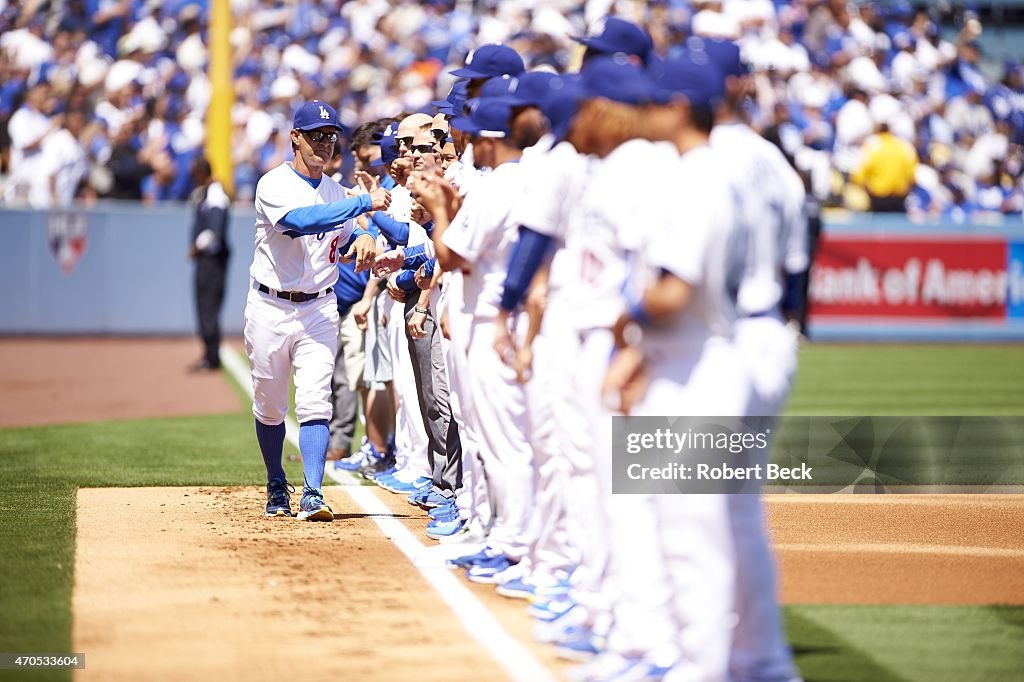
[(313, 438), (271, 440)]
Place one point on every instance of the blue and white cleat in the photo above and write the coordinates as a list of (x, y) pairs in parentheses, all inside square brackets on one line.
[(393, 485), (470, 559), (516, 588), (444, 527), (313, 508), (427, 499), (486, 571), (442, 510), (278, 498), (548, 610), (579, 643)]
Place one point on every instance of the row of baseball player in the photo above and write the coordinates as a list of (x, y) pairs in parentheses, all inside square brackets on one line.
[(555, 249)]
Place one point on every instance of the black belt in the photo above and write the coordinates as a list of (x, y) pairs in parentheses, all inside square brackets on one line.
[(293, 296)]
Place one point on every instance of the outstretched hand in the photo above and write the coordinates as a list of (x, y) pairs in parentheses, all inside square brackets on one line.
[(388, 262), (363, 250)]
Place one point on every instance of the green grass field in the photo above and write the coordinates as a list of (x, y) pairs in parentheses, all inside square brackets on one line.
[(41, 469)]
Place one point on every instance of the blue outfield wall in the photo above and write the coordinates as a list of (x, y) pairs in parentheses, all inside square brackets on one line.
[(122, 268), (114, 269)]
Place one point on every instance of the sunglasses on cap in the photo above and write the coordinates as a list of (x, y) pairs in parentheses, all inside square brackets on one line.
[(422, 148), (318, 136), (439, 134), (404, 141)]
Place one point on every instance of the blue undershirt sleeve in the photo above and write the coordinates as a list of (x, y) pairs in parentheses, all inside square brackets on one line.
[(406, 280), (415, 256), (324, 217), (527, 255), (393, 230)]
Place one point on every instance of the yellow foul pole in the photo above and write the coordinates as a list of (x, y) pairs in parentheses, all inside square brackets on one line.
[(218, 116)]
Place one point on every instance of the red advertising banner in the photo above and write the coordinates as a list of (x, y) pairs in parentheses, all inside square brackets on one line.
[(938, 277)]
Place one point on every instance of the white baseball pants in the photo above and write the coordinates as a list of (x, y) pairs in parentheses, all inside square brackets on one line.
[(281, 336)]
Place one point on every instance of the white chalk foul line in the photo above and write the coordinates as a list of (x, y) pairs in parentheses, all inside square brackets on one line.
[(514, 658)]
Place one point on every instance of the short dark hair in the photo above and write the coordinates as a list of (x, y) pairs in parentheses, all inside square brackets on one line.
[(703, 118), (366, 132)]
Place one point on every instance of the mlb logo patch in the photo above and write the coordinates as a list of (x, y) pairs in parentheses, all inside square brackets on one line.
[(66, 236)]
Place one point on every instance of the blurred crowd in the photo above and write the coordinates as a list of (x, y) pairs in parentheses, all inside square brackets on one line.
[(106, 98)]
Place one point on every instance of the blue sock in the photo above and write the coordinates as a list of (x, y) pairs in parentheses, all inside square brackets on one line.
[(271, 440), (313, 438)]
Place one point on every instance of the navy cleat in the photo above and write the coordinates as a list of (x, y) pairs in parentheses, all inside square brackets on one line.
[(279, 501)]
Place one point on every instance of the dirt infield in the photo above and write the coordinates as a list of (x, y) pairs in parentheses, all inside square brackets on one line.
[(177, 583), (194, 584), (55, 380), (899, 549)]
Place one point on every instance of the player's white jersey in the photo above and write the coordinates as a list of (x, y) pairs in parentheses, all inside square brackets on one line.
[(553, 182), (483, 235), (610, 227), (772, 213), (301, 263), (699, 242), (401, 204)]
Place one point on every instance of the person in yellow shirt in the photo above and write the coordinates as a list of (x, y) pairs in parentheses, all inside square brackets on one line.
[(886, 170)]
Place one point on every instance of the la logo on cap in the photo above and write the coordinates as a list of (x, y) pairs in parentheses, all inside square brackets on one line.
[(323, 112)]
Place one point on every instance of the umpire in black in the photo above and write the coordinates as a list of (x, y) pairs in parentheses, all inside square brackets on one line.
[(209, 249)]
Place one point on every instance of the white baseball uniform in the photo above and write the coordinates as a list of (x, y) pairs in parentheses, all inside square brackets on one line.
[(411, 441), (281, 334), (676, 586), (482, 234), (606, 232), (774, 220), (554, 178)]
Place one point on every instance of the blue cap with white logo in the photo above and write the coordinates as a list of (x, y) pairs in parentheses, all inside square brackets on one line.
[(487, 118), (491, 60), (315, 114), (388, 146), (523, 90)]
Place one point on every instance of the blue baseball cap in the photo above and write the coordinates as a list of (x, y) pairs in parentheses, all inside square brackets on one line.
[(560, 102), (617, 79), (487, 118), (452, 103), (491, 60), (495, 87), (526, 89), (388, 146), (690, 74), (613, 35), (724, 54), (315, 114)]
